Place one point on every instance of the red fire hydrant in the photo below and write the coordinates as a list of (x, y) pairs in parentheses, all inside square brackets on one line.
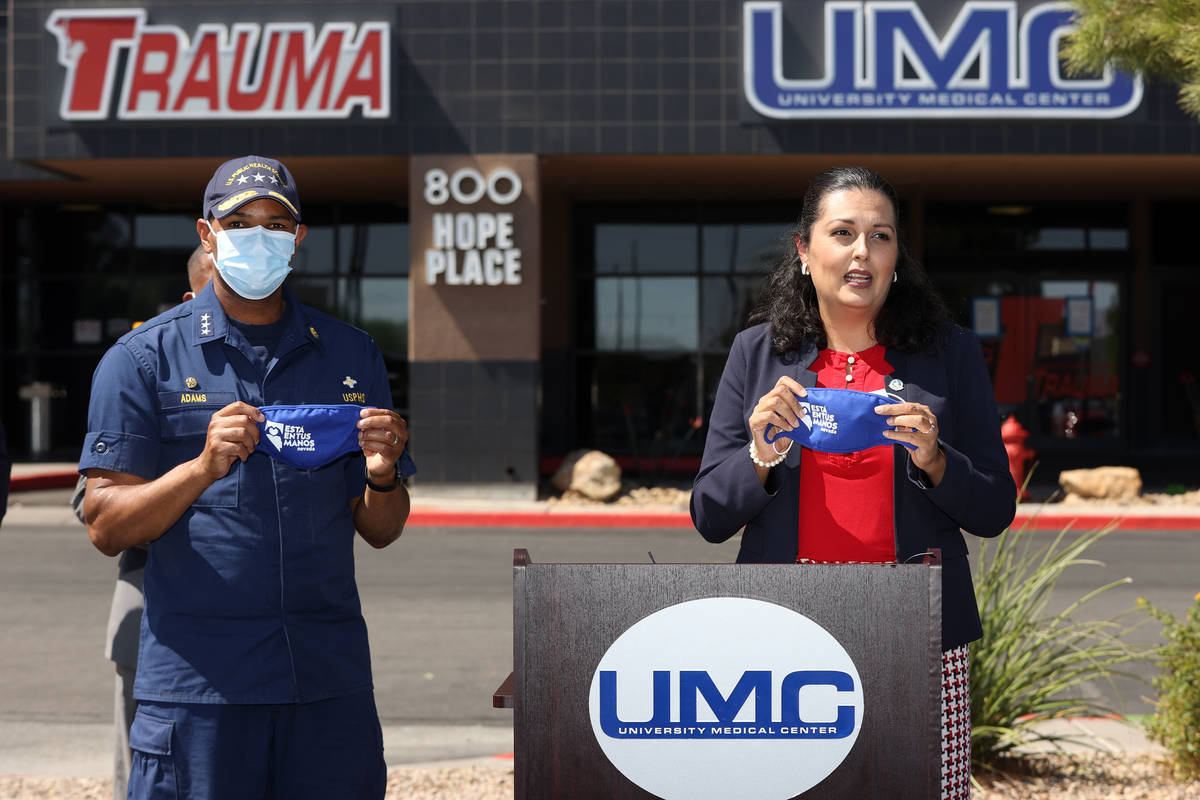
[(1014, 436)]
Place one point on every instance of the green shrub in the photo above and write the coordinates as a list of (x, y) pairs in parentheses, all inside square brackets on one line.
[(1176, 721), (1030, 663)]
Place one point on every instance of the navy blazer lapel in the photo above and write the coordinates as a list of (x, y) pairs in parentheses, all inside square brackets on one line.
[(896, 382), (804, 359)]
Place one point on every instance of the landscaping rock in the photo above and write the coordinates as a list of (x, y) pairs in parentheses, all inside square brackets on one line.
[(590, 473), (1104, 483)]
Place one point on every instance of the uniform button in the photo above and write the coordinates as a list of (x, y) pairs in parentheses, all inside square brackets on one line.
[(101, 447)]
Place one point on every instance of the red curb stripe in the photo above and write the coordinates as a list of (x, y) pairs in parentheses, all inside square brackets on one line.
[(44, 480), (505, 756), (1058, 521), (679, 519), (545, 519)]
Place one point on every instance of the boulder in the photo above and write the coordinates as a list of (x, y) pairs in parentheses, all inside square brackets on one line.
[(591, 473), (1103, 483)]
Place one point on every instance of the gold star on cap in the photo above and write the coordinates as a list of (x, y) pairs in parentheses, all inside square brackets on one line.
[(314, 333), (191, 383)]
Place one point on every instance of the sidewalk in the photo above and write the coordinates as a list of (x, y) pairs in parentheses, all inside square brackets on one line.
[(446, 510), (85, 749)]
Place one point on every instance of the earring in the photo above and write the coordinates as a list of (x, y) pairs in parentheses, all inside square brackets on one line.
[(895, 277), (803, 268)]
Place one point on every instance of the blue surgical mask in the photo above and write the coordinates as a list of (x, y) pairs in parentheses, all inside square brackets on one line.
[(311, 436), (253, 261), (838, 421)]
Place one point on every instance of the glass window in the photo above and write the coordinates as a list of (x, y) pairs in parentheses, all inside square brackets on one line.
[(316, 291), (315, 253), (380, 307), (163, 243), (646, 313), (155, 231), (380, 248), (754, 249), (1058, 239), (727, 302), (644, 406), (1108, 239), (992, 231), (1176, 356), (73, 242), (1076, 384), (641, 249)]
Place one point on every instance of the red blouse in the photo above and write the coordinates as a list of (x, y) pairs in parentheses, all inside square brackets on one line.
[(846, 498)]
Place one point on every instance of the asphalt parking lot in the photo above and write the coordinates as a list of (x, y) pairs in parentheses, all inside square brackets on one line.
[(438, 605)]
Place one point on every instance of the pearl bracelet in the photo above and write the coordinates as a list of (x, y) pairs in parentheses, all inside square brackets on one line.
[(773, 463)]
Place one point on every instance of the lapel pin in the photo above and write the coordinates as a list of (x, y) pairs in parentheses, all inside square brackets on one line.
[(896, 384)]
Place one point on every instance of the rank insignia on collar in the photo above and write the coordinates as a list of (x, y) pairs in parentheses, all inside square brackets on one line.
[(350, 382), (206, 328), (314, 333), (191, 383)]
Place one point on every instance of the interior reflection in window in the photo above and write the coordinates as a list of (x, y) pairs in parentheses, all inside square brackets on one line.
[(646, 313), (640, 249)]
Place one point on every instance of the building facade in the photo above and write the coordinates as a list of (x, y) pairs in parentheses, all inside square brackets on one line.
[(553, 216)]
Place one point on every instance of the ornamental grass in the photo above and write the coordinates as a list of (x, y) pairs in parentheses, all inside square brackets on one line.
[(1031, 663)]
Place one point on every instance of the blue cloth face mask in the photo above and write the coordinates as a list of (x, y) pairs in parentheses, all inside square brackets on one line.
[(253, 261), (311, 436), (838, 421)]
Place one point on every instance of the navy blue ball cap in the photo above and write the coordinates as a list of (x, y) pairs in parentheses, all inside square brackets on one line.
[(246, 179)]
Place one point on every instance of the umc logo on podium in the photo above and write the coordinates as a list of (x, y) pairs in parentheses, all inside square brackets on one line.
[(884, 59), (709, 697)]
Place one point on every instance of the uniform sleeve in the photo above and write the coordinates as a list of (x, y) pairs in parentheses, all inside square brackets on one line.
[(977, 489), (726, 493), (379, 395), (123, 421)]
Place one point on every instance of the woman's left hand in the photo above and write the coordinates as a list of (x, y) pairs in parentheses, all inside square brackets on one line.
[(915, 424)]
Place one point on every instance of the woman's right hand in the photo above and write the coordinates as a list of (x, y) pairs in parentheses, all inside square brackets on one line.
[(779, 408)]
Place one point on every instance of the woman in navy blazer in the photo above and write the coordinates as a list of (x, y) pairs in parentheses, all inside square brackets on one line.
[(846, 289), (942, 377)]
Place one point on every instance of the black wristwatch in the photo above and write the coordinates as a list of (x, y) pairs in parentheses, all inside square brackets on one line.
[(395, 484)]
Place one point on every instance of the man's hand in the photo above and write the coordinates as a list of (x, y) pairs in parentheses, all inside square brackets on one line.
[(382, 435), (232, 434)]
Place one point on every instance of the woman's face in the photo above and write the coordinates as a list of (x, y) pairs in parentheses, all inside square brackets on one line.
[(852, 251)]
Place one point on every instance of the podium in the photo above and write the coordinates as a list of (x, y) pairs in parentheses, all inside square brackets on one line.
[(725, 680)]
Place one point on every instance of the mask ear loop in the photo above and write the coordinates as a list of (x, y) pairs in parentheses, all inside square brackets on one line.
[(212, 256)]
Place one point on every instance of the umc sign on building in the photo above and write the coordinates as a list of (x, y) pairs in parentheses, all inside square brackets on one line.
[(554, 216)]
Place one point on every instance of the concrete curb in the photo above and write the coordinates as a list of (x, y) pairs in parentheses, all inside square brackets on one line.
[(451, 512)]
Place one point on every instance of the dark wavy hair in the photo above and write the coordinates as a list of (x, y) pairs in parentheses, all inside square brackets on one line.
[(913, 315)]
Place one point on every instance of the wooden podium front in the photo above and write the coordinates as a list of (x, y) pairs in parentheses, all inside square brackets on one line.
[(566, 617)]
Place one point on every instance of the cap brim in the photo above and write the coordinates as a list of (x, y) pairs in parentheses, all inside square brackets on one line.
[(238, 199)]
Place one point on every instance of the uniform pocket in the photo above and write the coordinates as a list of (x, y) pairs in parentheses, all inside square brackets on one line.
[(186, 414), (152, 769), (184, 426)]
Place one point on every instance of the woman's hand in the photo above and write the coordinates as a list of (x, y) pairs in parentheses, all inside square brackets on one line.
[(915, 424), (780, 408)]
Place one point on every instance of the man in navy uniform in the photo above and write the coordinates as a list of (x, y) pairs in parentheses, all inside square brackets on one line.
[(244, 438), (125, 611)]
